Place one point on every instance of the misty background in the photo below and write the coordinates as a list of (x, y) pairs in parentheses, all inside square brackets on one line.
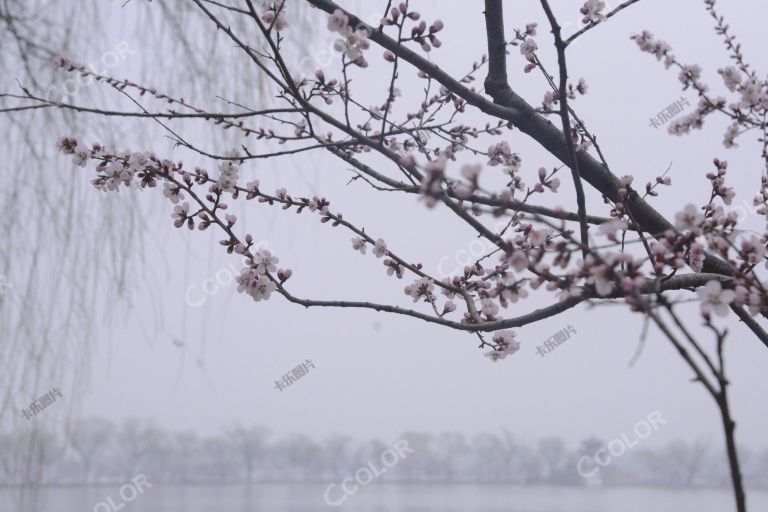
[(378, 375)]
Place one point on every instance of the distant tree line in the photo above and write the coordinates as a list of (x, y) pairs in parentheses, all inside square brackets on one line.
[(96, 451)]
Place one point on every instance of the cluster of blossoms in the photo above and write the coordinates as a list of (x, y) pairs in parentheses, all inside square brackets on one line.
[(747, 110), (552, 98), (528, 258), (593, 11), (528, 50), (273, 13), (695, 120), (352, 42), (254, 279), (717, 180), (607, 273), (505, 345), (432, 184), (421, 288), (753, 92), (501, 154), (471, 173), (617, 273), (528, 46), (229, 172), (144, 170), (711, 227), (114, 169), (649, 44)]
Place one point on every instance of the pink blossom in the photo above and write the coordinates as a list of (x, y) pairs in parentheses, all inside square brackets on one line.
[(228, 175), (754, 93), (139, 161), (499, 153), (696, 257), (730, 136), (528, 48), (519, 261), (81, 154), (506, 345), (338, 22), (648, 43), (610, 228), (422, 287), (471, 172), (180, 213), (353, 45), (731, 77), (539, 237), (264, 262), (488, 307), (255, 284)]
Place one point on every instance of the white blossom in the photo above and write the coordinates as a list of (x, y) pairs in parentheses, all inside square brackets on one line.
[(689, 219), (714, 298), (358, 244), (592, 11), (380, 248)]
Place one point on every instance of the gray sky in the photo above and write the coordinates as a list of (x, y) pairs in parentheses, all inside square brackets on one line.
[(377, 374)]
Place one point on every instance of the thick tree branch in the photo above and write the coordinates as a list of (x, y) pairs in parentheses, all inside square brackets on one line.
[(509, 106), (573, 162)]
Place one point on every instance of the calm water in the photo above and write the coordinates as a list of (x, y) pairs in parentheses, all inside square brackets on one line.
[(382, 498)]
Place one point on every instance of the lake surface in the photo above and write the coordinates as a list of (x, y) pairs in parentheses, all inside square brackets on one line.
[(378, 498)]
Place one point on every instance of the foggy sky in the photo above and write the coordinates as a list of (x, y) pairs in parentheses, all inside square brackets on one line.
[(379, 374)]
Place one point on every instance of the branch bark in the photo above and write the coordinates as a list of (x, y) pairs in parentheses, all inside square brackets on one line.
[(509, 106)]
